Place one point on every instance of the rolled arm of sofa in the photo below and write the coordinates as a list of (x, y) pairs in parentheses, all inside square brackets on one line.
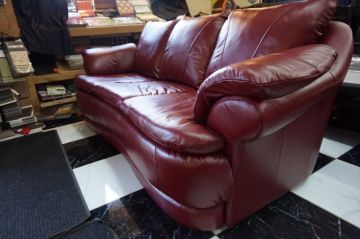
[(106, 61), (266, 77), (242, 118)]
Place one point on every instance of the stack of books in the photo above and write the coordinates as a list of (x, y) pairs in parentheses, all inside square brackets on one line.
[(85, 8), (99, 21), (54, 92), (75, 62), (75, 20), (11, 110), (5, 71), (55, 113), (14, 115), (18, 58), (106, 8), (143, 11), (27, 117), (122, 11), (7, 96)]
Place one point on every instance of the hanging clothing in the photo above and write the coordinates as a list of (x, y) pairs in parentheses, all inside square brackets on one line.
[(43, 27), (169, 9)]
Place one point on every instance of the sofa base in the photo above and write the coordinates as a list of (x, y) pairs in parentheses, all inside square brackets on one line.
[(202, 219)]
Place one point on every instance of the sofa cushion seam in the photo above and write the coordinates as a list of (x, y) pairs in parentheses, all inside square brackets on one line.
[(273, 24), (279, 82), (225, 41), (194, 41)]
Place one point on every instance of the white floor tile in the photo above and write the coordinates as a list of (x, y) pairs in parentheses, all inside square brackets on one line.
[(352, 78), (336, 189), (336, 142), (73, 132), (220, 230), (106, 181)]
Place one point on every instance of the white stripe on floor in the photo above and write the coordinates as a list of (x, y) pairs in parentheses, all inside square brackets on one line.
[(336, 142), (73, 132), (336, 189), (220, 230), (105, 181)]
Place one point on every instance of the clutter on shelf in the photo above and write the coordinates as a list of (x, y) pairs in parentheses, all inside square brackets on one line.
[(13, 115), (101, 13)]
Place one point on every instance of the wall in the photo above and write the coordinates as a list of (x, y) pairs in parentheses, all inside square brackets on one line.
[(8, 22)]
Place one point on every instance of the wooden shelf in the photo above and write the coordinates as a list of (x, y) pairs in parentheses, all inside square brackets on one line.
[(57, 102), (9, 25), (66, 75), (110, 30), (63, 74)]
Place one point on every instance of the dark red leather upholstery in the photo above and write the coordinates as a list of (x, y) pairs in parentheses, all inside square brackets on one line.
[(162, 110), (169, 121), (106, 61), (266, 77), (254, 32), (261, 120), (187, 178), (186, 56), (151, 47), (288, 130)]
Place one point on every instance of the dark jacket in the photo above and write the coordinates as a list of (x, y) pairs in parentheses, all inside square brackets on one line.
[(169, 9), (43, 26)]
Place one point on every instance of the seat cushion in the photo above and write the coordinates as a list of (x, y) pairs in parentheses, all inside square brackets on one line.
[(188, 179), (114, 89), (163, 111), (253, 32), (168, 120)]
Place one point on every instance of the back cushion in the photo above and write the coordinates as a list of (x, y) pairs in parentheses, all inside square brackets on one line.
[(151, 46), (253, 32), (189, 49)]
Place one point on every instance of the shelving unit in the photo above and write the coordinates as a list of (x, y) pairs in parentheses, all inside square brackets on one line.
[(58, 102), (9, 25), (111, 30), (63, 74)]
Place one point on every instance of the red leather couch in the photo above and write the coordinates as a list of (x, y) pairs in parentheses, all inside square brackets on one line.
[(220, 115)]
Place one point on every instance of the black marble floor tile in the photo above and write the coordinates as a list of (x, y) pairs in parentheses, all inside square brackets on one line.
[(61, 122), (322, 161), (353, 156), (294, 218), (137, 216), (88, 150)]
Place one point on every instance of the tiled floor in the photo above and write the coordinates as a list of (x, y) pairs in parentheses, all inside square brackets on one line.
[(106, 181), (327, 205)]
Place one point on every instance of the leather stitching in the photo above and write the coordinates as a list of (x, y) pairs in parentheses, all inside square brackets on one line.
[(278, 82), (278, 163), (156, 166)]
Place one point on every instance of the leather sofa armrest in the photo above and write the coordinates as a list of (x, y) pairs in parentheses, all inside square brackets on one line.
[(241, 118), (113, 60), (266, 77)]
